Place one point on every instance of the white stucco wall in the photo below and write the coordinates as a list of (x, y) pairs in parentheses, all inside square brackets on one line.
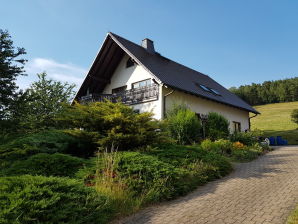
[(152, 106), (126, 76), (203, 106)]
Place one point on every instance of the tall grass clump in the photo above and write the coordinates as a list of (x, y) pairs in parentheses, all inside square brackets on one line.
[(109, 182)]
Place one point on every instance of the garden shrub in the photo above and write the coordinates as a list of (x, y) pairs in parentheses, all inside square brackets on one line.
[(46, 165), (258, 147), (244, 155), (225, 146), (29, 144), (144, 172), (36, 199), (50, 141), (115, 123), (184, 125), (237, 150), (247, 138), (209, 145), (9, 154), (221, 165), (184, 156), (217, 126), (159, 173), (221, 146), (238, 146), (46, 141)]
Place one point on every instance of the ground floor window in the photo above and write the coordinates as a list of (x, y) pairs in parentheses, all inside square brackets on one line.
[(237, 126), (137, 111)]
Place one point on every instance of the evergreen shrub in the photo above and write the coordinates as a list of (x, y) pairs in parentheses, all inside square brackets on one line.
[(44, 164), (217, 126), (37, 199), (110, 124), (184, 125)]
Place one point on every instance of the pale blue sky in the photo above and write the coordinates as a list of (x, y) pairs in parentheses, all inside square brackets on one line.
[(233, 41)]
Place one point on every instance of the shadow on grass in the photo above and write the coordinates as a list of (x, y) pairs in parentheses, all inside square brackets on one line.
[(290, 135)]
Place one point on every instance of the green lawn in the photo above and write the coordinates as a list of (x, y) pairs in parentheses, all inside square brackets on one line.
[(293, 218), (275, 120)]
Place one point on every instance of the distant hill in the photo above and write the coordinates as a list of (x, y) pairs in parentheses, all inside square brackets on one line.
[(275, 120), (278, 91)]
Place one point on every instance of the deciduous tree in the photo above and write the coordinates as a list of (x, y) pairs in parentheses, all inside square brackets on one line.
[(41, 102)]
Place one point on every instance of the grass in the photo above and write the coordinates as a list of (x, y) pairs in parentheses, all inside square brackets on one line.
[(275, 120), (293, 218)]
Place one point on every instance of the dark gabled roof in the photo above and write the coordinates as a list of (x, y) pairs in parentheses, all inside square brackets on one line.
[(179, 76), (173, 74)]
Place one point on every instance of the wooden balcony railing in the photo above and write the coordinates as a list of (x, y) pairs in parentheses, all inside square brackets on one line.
[(129, 97)]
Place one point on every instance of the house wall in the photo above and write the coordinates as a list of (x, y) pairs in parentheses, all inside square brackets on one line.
[(126, 76), (203, 106), (153, 106)]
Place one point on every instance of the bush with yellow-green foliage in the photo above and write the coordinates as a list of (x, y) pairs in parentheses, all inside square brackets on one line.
[(236, 151), (217, 126), (183, 125), (110, 124)]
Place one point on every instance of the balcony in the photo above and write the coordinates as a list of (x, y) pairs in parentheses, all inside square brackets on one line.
[(128, 97)]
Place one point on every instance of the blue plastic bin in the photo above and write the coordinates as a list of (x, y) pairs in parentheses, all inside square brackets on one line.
[(272, 140)]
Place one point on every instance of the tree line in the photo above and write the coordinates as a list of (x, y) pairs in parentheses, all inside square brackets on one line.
[(285, 90)]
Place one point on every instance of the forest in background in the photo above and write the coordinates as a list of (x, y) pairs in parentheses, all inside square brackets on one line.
[(278, 91)]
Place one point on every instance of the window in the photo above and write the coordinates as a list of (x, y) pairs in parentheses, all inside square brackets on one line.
[(130, 62), (208, 89), (198, 116), (215, 92), (140, 84), (204, 88), (237, 126), (119, 89)]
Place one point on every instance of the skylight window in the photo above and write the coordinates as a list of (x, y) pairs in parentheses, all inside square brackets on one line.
[(208, 89), (205, 88), (215, 92)]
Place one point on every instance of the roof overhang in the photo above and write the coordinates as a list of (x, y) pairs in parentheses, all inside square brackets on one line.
[(207, 98), (108, 57), (102, 68)]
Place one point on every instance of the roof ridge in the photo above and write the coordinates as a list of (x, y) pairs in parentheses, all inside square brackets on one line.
[(162, 73), (158, 54)]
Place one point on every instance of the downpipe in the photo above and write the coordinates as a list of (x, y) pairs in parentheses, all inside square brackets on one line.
[(249, 124)]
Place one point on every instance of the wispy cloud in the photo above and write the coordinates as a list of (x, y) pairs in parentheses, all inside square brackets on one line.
[(58, 71)]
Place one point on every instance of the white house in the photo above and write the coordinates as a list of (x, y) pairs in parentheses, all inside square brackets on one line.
[(141, 77)]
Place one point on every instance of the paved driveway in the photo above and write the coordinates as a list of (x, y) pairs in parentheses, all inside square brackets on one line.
[(262, 191)]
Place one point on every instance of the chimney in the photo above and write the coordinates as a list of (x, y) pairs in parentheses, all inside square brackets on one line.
[(148, 45)]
